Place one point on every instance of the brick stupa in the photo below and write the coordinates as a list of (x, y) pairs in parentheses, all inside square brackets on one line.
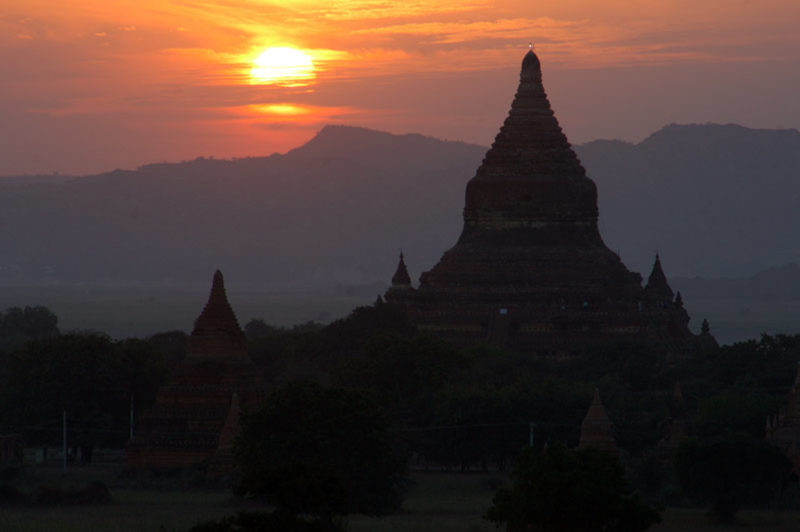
[(596, 429), (530, 270), (195, 415)]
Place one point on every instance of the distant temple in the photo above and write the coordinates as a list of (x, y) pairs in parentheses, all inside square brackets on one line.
[(783, 429), (530, 270), (596, 429), (196, 415)]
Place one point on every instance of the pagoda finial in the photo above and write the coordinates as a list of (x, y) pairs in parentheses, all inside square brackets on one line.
[(705, 328), (657, 284), (531, 68), (401, 277)]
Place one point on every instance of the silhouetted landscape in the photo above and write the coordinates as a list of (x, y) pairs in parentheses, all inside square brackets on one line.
[(713, 200), (319, 228), (365, 266)]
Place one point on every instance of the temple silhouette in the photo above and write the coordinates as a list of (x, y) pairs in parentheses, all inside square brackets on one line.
[(530, 271), (196, 415)]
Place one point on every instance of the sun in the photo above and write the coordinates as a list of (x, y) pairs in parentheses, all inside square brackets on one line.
[(284, 66)]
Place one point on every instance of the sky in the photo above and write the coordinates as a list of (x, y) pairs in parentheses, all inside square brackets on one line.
[(93, 85)]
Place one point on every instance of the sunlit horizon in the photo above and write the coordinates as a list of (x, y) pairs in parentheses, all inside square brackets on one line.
[(92, 87)]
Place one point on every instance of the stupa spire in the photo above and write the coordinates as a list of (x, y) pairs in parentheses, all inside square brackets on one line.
[(530, 142), (657, 284), (401, 278), (217, 318), (531, 178)]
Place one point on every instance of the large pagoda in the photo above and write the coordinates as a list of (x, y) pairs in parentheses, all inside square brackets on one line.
[(196, 414), (530, 270)]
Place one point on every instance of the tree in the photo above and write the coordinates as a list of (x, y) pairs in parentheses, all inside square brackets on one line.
[(564, 490), (319, 451), (89, 377), (729, 473), (18, 325), (732, 412)]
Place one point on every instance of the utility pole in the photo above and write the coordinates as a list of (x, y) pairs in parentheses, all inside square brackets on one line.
[(132, 396), (64, 440)]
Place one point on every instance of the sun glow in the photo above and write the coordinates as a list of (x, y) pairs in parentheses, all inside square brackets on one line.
[(283, 66)]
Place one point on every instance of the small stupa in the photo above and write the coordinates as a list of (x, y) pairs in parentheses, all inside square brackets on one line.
[(196, 414), (596, 429)]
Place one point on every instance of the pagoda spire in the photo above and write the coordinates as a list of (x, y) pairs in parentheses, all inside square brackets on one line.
[(531, 179), (531, 143), (401, 279), (657, 284), (217, 317)]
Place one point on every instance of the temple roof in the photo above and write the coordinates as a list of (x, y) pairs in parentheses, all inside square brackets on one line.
[(530, 142), (217, 317), (657, 282), (401, 277)]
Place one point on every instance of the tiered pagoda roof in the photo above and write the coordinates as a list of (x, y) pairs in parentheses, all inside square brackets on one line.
[(530, 270)]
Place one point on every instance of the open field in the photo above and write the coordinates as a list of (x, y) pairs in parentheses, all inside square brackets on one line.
[(437, 502)]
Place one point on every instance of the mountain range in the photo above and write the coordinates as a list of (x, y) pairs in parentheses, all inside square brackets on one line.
[(713, 200)]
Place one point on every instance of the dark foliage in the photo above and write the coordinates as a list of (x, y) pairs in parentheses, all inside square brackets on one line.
[(560, 490), (89, 376), (735, 413), (319, 451), (94, 493), (730, 473), (18, 325), (266, 522), (472, 408)]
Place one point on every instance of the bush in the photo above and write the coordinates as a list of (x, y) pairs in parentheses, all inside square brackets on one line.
[(560, 490), (320, 451), (729, 473)]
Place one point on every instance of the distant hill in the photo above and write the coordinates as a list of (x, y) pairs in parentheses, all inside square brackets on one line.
[(714, 200), (335, 210), (781, 283)]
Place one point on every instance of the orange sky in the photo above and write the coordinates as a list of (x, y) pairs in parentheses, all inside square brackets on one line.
[(90, 85)]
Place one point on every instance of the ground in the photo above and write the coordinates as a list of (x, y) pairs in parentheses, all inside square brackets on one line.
[(436, 502)]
